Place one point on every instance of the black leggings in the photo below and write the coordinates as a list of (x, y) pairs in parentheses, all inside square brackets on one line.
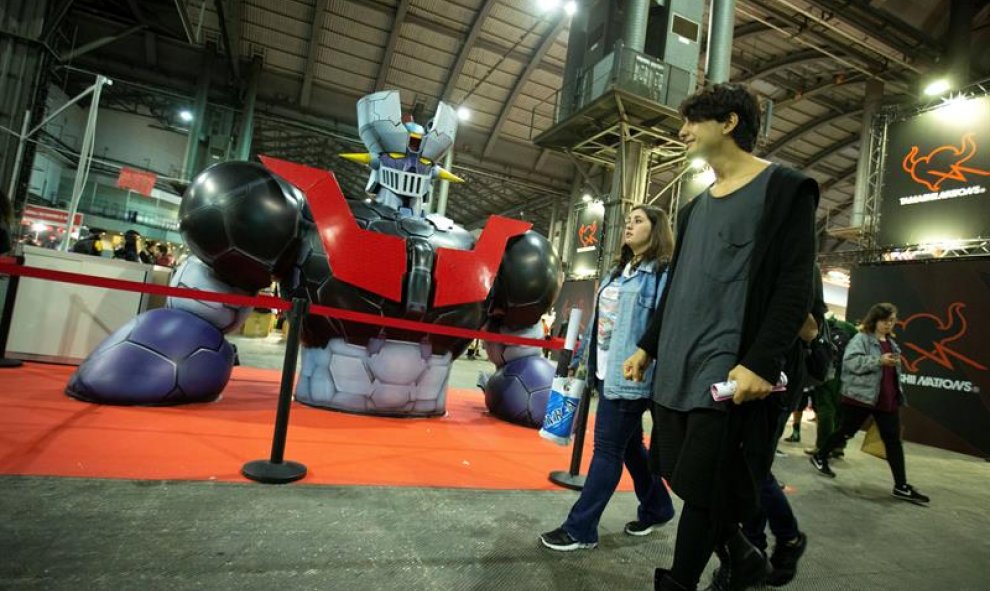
[(697, 537), (889, 424)]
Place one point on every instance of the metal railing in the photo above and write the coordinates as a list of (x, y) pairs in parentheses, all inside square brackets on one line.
[(623, 69)]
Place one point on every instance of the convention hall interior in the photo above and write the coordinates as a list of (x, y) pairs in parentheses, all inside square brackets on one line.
[(298, 294)]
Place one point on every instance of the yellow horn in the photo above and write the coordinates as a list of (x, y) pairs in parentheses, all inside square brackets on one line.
[(448, 176), (360, 158)]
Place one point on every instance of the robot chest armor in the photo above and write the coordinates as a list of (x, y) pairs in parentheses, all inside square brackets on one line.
[(423, 241)]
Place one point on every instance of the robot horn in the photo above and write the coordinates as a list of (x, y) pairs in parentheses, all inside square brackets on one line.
[(360, 158), (446, 175)]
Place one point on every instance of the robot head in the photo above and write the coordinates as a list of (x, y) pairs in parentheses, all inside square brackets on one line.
[(402, 153)]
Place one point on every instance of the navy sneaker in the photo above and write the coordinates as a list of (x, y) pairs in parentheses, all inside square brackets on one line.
[(562, 541)]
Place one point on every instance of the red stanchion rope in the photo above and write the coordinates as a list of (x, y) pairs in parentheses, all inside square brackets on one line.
[(9, 266)]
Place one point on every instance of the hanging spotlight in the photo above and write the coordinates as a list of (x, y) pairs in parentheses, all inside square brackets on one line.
[(937, 87), (463, 113), (186, 115)]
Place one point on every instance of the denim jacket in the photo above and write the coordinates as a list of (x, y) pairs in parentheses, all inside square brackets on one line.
[(638, 299), (862, 372)]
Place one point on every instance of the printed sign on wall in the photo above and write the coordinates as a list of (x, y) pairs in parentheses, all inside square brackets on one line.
[(936, 178), (587, 240)]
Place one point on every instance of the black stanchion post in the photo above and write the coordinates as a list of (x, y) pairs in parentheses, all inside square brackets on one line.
[(572, 478), (276, 470), (7, 317)]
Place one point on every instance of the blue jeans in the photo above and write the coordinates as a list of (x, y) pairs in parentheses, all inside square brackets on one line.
[(775, 509), (618, 440)]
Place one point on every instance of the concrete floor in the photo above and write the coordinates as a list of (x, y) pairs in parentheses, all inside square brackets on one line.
[(62, 533)]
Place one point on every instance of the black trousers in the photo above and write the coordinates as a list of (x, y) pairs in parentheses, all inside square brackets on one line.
[(889, 424)]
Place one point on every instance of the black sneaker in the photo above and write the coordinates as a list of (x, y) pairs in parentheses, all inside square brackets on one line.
[(795, 437), (908, 493), (821, 465), (838, 454), (562, 541), (784, 560), (638, 528)]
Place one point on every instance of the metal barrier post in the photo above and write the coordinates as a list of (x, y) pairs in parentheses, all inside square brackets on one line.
[(275, 470)]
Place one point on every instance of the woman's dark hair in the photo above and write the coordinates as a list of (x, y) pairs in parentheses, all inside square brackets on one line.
[(661, 244), (877, 313), (716, 103)]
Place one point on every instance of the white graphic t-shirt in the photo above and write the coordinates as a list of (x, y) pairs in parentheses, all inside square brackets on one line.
[(608, 311)]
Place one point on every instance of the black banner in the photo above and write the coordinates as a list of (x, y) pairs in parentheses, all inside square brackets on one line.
[(936, 176), (587, 240), (944, 320)]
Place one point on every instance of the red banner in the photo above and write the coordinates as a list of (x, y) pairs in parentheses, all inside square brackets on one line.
[(140, 181), (50, 216)]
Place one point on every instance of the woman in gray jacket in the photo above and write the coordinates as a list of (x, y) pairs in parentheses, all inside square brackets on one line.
[(871, 386)]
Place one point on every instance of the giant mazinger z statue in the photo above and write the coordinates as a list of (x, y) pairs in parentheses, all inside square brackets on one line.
[(381, 254)]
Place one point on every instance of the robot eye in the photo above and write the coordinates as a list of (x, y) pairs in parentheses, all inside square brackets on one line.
[(426, 162), (396, 155)]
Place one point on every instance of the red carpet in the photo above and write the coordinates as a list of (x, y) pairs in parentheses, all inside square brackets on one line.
[(44, 432)]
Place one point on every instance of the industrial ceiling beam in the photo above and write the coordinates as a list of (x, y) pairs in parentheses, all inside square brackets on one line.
[(315, 30), (230, 30), (393, 41), (822, 155), (797, 58), (809, 127), (466, 47), (541, 51)]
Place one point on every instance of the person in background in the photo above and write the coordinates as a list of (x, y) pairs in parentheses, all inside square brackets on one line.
[(92, 244), (796, 417), (774, 508), (129, 251), (826, 395), (871, 387), (627, 296), (163, 257), (147, 254)]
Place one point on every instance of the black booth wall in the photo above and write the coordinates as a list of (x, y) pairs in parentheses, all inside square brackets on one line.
[(944, 312)]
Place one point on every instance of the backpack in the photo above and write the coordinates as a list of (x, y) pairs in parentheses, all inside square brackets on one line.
[(821, 358), (840, 336)]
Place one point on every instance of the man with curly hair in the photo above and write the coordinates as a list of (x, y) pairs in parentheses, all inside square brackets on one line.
[(740, 289)]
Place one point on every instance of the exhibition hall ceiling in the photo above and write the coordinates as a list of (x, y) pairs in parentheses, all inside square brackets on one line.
[(503, 60)]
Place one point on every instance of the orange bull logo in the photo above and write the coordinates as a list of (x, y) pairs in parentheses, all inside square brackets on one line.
[(933, 339), (943, 163), (588, 234)]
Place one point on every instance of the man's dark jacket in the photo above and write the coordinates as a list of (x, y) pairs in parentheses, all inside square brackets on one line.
[(781, 275)]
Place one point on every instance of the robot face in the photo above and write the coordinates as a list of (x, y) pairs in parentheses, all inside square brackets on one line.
[(416, 133), (406, 175)]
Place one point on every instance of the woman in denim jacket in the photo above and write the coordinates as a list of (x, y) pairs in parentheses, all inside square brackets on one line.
[(871, 369), (627, 296)]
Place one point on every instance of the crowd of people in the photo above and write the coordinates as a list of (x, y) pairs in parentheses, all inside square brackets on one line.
[(735, 299)]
